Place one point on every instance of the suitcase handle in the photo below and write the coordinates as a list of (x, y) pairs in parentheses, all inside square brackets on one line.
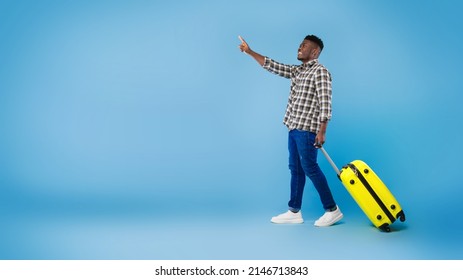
[(336, 169)]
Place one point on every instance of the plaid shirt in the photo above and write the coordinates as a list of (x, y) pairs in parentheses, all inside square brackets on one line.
[(309, 101)]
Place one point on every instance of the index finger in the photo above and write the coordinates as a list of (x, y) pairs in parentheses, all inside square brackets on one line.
[(241, 39)]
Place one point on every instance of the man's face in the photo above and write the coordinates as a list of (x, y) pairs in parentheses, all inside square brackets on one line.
[(307, 51)]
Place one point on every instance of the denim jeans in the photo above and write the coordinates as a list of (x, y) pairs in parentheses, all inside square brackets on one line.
[(302, 163)]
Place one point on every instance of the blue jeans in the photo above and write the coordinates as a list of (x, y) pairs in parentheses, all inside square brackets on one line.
[(302, 163)]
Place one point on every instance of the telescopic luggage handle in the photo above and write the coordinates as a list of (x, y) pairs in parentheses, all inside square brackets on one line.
[(336, 169)]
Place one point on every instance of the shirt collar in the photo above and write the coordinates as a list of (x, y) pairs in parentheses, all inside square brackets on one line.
[(310, 63)]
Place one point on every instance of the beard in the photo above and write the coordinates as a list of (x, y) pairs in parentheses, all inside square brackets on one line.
[(301, 58)]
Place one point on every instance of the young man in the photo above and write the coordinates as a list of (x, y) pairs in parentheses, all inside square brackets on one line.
[(307, 114)]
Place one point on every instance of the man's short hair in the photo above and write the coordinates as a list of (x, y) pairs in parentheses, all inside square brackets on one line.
[(316, 40)]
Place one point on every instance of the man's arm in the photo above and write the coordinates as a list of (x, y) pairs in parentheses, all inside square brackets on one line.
[(283, 70), (324, 92), (321, 136), (244, 47)]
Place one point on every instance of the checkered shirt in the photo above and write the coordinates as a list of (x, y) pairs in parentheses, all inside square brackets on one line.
[(309, 101)]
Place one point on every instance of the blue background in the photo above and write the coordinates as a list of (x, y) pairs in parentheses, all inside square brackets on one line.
[(137, 130)]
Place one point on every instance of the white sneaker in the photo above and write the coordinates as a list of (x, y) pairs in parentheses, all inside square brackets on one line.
[(329, 218), (288, 218)]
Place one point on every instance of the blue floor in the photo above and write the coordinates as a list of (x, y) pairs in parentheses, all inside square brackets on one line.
[(144, 232)]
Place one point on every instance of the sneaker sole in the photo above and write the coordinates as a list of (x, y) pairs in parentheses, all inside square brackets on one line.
[(298, 221)]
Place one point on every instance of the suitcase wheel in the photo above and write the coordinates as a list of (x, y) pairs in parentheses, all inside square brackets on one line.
[(385, 227), (401, 216)]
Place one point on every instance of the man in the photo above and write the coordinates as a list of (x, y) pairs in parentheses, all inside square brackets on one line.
[(307, 114)]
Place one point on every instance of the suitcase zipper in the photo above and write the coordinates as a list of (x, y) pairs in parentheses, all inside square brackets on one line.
[(372, 192)]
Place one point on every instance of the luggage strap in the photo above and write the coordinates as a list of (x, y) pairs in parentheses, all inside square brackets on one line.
[(372, 192)]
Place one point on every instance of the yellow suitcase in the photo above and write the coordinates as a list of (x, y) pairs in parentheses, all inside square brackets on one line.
[(370, 193)]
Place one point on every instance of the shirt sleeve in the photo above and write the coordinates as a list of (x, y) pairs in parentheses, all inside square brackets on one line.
[(324, 93), (283, 70)]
